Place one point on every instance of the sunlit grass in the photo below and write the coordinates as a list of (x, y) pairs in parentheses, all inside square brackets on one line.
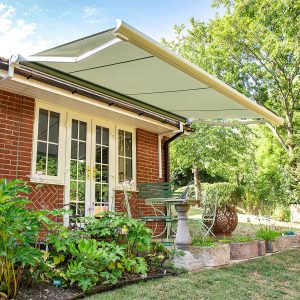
[(272, 277)]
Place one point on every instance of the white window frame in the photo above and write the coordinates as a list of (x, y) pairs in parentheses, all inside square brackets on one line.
[(60, 178), (132, 130)]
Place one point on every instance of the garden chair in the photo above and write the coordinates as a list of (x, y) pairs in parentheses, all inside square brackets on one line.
[(208, 217), (156, 196)]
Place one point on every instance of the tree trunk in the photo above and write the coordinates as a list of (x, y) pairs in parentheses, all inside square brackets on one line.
[(197, 184)]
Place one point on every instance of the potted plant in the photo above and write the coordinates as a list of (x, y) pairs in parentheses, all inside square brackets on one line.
[(226, 194), (210, 252)]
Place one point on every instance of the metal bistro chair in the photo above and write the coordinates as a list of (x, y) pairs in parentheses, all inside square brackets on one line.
[(208, 217), (156, 195)]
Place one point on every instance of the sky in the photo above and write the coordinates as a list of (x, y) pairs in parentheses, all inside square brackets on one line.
[(27, 27)]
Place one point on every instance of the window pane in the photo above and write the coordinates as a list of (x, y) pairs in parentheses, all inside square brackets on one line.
[(105, 155), (128, 144), (105, 136), (121, 169), (128, 169), (81, 191), (74, 146), (73, 190), (80, 210), (82, 131), (98, 173), (98, 154), (82, 150), (74, 129), (121, 142), (73, 171), (98, 135), (41, 157), (98, 192), (104, 193), (81, 170), (43, 125), (52, 160), (54, 127), (104, 174)]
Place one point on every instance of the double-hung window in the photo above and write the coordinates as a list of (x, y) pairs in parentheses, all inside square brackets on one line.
[(47, 163), (126, 155)]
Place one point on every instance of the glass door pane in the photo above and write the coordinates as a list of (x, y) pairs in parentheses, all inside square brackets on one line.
[(101, 169), (78, 168)]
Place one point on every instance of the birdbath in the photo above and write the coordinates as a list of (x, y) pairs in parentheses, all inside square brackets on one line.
[(183, 238)]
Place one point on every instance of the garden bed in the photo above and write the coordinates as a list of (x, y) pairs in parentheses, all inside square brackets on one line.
[(48, 291)]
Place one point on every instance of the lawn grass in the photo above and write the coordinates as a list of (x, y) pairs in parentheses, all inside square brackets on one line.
[(272, 277)]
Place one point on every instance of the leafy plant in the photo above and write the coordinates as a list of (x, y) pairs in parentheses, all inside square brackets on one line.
[(267, 234), (237, 239), (204, 242), (19, 232), (104, 250), (225, 193)]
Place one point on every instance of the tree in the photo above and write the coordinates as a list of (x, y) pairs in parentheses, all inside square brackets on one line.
[(254, 48), (218, 150)]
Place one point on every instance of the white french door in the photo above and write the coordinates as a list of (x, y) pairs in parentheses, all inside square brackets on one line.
[(89, 165)]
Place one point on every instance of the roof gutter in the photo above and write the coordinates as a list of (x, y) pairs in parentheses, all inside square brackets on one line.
[(14, 68), (127, 33)]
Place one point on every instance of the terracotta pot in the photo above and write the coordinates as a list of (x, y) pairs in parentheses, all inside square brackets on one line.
[(226, 221)]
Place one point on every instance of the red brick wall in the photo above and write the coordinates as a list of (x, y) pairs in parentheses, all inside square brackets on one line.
[(147, 171), (16, 132)]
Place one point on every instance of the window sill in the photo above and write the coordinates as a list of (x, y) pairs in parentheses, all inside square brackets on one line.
[(47, 180)]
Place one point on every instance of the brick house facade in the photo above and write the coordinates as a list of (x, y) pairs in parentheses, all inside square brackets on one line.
[(16, 144)]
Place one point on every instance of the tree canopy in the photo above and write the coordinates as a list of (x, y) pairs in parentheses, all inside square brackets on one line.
[(253, 47)]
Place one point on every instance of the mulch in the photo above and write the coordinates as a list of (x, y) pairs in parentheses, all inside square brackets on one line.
[(48, 291)]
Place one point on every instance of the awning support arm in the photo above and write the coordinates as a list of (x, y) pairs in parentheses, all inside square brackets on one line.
[(69, 59)]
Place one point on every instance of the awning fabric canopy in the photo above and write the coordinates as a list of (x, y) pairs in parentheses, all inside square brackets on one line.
[(125, 61)]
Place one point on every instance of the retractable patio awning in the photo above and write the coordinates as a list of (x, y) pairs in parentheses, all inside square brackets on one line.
[(128, 64)]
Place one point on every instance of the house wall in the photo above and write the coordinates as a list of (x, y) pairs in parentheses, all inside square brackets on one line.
[(16, 131), (16, 134)]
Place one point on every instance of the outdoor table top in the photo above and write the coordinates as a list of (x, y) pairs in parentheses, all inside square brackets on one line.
[(172, 201)]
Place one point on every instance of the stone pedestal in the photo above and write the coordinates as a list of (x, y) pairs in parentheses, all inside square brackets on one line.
[(183, 238)]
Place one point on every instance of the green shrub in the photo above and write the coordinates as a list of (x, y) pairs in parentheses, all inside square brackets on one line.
[(225, 193), (204, 242), (282, 214), (19, 231), (267, 234), (237, 239), (104, 250)]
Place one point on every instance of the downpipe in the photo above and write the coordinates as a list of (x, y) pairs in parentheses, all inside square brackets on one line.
[(177, 133)]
